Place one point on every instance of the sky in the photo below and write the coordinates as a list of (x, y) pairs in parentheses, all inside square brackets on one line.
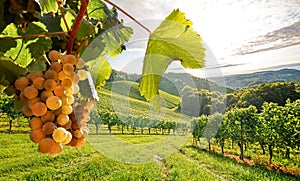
[(241, 36)]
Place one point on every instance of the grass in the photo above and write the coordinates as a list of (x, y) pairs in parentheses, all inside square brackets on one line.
[(19, 160)]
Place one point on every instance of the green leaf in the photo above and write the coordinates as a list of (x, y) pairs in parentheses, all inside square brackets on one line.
[(9, 71), (25, 51), (48, 6), (100, 70), (85, 29), (97, 9), (174, 39), (114, 38), (38, 65)]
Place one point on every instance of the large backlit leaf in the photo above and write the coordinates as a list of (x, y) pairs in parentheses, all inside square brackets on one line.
[(173, 40), (9, 71), (100, 70)]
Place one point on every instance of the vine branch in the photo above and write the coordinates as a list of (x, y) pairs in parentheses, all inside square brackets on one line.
[(73, 32), (34, 36), (131, 17)]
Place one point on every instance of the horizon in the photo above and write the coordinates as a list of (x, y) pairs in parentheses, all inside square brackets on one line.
[(240, 36)]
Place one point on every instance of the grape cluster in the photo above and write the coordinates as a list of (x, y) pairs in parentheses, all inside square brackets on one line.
[(50, 100)]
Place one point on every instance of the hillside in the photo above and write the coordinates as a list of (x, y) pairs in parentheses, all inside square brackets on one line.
[(254, 79), (173, 83)]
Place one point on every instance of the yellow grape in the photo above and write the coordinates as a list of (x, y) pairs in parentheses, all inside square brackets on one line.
[(82, 74), (68, 139), (45, 145), (45, 94), (80, 142), (48, 128), (35, 123), (68, 59), (67, 109), (78, 133), (68, 125), (51, 74), (50, 84), (37, 135), (62, 119), (30, 92), (66, 83), (69, 91), (21, 83), (38, 83), (80, 63), (39, 109), (59, 91), (53, 102), (75, 88), (55, 150), (56, 66), (48, 117), (59, 135), (68, 69), (54, 55), (26, 110)]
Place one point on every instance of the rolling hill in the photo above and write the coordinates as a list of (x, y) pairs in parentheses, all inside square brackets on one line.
[(254, 79)]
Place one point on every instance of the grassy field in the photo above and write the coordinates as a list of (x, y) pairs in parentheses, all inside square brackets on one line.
[(19, 160)]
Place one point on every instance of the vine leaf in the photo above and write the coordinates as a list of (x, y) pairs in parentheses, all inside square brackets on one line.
[(48, 6), (174, 39), (9, 71), (100, 70), (97, 9), (25, 51), (85, 29)]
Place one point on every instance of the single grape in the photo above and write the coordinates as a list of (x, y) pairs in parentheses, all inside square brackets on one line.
[(78, 133), (22, 97), (55, 150), (50, 84), (66, 83), (53, 102), (30, 92), (48, 128), (45, 145), (38, 83), (67, 109), (51, 74), (68, 69), (82, 74), (59, 135), (56, 66), (59, 91), (48, 117), (68, 125), (21, 83), (37, 135), (54, 55), (26, 110), (80, 63), (39, 109), (35, 123), (76, 79), (62, 119)]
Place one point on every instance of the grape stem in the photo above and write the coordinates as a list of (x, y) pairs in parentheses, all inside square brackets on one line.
[(35, 36), (131, 17), (73, 32)]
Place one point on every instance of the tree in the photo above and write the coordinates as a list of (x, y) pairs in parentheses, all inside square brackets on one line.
[(212, 127), (198, 125)]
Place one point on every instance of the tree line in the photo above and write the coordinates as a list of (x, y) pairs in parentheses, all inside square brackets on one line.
[(275, 126)]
